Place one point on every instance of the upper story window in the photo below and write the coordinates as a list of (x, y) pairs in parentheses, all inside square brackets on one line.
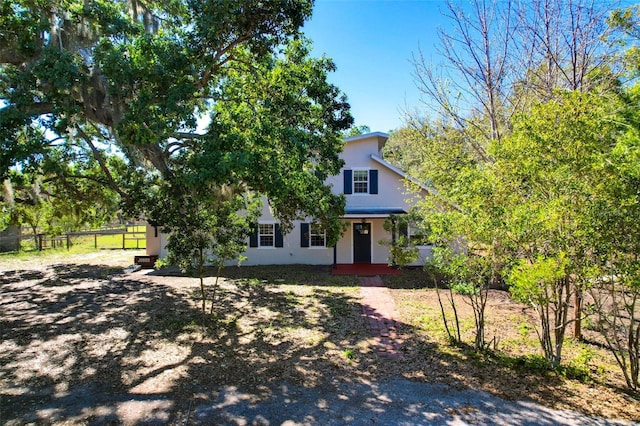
[(361, 181)]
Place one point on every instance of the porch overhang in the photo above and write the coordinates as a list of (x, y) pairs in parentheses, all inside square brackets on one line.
[(371, 212)]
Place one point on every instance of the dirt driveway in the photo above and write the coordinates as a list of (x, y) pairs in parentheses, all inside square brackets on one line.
[(82, 341)]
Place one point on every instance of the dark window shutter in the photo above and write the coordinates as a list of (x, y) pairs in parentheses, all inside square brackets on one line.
[(373, 181), (348, 182), (279, 238), (304, 235), (253, 239)]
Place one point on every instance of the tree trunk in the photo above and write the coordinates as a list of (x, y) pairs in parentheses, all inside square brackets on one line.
[(577, 314), (34, 229), (215, 289), (204, 296)]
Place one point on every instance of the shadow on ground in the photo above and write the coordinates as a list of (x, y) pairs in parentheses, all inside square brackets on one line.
[(90, 344)]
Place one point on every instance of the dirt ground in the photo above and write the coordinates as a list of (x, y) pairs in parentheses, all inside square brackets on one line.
[(80, 332)]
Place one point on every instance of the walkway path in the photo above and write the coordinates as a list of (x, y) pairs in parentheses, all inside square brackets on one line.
[(380, 312)]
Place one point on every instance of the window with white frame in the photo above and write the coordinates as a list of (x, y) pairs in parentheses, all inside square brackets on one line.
[(266, 234), (317, 235), (361, 181), (418, 237)]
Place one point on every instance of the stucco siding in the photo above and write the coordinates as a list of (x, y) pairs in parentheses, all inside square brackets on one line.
[(290, 253), (344, 248), (153, 236), (424, 253), (379, 253), (360, 153)]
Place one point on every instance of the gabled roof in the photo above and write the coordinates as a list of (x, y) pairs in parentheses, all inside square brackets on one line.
[(399, 172), (380, 136), (367, 136)]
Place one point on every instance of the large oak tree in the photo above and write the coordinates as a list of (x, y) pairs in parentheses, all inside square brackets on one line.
[(136, 80)]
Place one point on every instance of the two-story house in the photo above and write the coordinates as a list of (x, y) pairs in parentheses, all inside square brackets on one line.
[(374, 190)]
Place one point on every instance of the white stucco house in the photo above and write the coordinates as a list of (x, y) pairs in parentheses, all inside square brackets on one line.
[(374, 190)]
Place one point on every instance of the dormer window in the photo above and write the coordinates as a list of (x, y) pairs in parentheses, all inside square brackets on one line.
[(361, 181)]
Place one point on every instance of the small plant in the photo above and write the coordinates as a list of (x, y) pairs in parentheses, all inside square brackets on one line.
[(291, 299), (545, 285), (349, 354), (535, 363), (401, 251), (524, 329), (578, 368)]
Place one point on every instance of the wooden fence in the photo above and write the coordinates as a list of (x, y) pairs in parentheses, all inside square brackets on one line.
[(99, 239)]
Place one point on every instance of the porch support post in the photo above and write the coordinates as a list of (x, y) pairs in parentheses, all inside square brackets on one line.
[(393, 238), (393, 229), (335, 256)]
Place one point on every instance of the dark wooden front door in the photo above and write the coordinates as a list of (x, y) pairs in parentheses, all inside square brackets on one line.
[(362, 243)]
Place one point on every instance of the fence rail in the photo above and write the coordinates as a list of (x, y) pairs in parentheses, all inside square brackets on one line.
[(99, 239)]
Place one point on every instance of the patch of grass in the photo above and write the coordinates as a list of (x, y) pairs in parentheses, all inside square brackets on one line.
[(250, 282), (514, 346), (178, 324), (131, 241), (46, 254), (579, 367), (349, 354), (530, 363), (536, 363), (410, 278), (524, 329), (76, 249), (340, 308), (576, 369), (338, 305), (291, 298)]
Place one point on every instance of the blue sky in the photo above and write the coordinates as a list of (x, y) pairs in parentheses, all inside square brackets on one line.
[(372, 42)]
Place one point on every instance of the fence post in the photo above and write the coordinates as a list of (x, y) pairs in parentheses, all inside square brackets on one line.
[(123, 241), (95, 241), (68, 241)]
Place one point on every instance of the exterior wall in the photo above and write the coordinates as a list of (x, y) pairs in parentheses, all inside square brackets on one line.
[(290, 253), (154, 246), (391, 190), (344, 248), (424, 253), (391, 194), (379, 253)]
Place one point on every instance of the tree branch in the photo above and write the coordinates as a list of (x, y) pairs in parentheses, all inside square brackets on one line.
[(103, 165)]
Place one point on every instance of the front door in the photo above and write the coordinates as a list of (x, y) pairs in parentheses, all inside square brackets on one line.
[(362, 243)]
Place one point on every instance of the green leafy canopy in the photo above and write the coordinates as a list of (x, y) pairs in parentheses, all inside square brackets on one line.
[(128, 87)]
